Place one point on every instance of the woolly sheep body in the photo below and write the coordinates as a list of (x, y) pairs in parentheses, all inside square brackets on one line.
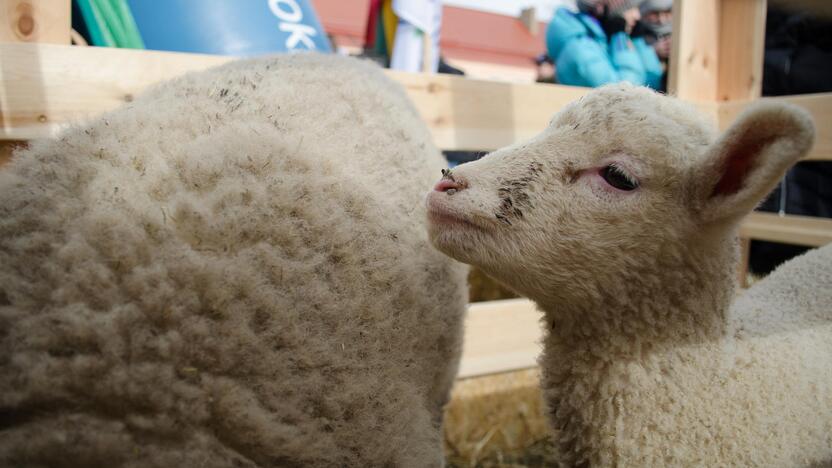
[(231, 270), (646, 362)]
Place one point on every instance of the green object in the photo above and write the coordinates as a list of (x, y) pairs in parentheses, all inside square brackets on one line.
[(380, 47), (110, 23)]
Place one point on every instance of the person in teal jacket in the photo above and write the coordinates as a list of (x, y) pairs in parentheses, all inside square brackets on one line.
[(585, 56)]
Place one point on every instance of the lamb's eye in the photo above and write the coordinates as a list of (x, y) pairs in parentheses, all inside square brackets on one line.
[(619, 179)]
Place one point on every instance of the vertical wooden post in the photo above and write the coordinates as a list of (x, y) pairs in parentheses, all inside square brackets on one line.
[(46, 21), (694, 56), (742, 29), (742, 272), (717, 49)]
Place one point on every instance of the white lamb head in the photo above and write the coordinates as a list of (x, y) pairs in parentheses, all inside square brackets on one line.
[(620, 178)]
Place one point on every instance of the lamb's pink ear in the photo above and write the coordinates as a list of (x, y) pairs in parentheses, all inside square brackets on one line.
[(748, 160)]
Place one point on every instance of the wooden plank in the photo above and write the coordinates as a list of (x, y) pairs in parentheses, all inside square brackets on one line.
[(501, 336), (742, 270), (45, 21), (819, 105), (742, 26), (471, 114), (717, 50), (789, 229), (44, 86), (694, 56)]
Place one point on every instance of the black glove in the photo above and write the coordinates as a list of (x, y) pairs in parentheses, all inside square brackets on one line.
[(640, 30), (612, 24)]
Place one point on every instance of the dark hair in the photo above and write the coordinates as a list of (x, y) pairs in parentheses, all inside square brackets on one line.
[(543, 58)]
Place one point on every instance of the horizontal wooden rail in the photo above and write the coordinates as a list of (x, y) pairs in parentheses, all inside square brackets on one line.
[(790, 229), (43, 86), (501, 336), (467, 114)]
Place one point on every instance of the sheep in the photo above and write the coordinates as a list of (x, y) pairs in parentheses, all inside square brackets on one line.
[(232, 270), (620, 221)]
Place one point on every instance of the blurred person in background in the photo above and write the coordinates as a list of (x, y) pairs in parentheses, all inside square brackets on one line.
[(797, 60), (545, 69), (404, 35), (657, 20), (603, 42)]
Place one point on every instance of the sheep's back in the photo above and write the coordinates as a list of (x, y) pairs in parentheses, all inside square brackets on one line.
[(795, 296), (234, 263), (782, 348)]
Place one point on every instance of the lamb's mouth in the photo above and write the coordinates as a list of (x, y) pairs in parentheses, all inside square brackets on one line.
[(440, 215), (440, 218)]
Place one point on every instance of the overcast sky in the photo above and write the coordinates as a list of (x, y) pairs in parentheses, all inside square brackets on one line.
[(512, 7)]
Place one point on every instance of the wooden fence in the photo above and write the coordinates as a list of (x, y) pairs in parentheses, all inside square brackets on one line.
[(717, 64)]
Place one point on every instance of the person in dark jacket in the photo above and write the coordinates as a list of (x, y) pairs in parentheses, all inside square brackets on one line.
[(798, 60)]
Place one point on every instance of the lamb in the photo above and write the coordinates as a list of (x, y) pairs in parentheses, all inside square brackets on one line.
[(620, 222), (232, 270)]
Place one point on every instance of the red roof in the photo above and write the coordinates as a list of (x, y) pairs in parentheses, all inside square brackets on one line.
[(466, 34)]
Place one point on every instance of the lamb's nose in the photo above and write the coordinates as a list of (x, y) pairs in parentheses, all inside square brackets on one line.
[(450, 183), (449, 186)]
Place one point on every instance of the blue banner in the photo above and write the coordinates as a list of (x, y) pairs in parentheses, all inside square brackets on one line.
[(229, 27)]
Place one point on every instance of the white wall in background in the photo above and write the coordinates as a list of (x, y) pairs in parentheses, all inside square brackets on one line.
[(545, 8)]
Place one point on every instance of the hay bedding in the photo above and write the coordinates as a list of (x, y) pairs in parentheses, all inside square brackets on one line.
[(498, 421)]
